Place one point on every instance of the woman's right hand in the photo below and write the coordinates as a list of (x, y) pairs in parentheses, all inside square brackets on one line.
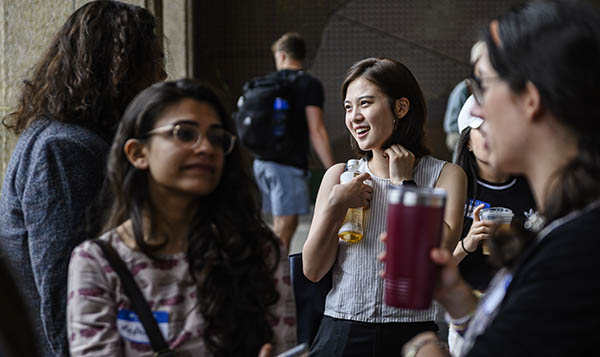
[(450, 289), (352, 194), (480, 230)]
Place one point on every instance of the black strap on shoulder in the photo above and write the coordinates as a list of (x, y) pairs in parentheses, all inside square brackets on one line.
[(138, 302), (295, 75)]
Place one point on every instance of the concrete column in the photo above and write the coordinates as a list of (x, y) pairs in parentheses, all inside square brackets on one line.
[(177, 27), (26, 27)]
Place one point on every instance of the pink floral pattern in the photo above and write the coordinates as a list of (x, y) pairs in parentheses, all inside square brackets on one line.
[(96, 296)]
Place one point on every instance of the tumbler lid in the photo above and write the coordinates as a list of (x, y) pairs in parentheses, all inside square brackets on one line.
[(417, 196)]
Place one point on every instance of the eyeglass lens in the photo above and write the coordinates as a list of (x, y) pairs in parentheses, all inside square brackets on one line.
[(475, 87), (216, 136)]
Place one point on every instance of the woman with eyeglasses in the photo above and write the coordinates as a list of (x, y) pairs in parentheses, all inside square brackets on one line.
[(487, 187), (186, 222), (538, 95)]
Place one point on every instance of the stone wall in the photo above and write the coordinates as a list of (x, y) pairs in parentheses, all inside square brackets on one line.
[(27, 27)]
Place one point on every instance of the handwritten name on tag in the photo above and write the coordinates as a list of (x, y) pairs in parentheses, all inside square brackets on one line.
[(130, 327)]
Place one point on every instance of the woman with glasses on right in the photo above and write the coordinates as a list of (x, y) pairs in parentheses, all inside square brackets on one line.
[(186, 222), (538, 96)]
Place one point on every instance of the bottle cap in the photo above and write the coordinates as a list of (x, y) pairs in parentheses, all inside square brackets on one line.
[(352, 164)]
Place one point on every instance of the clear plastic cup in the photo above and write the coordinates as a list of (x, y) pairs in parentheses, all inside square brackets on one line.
[(499, 215)]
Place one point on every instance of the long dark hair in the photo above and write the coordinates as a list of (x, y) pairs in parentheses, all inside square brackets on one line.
[(556, 45), (505, 248), (466, 159), (396, 81), (105, 53), (227, 242)]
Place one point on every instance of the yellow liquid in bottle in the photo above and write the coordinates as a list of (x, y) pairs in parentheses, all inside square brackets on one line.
[(352, 230), (350, 237)]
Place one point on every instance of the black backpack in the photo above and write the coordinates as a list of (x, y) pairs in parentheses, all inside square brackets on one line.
[(264, 115)]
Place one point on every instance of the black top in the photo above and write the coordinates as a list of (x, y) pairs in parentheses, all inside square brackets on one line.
[(308, 92), (515, 195), (551, 305)]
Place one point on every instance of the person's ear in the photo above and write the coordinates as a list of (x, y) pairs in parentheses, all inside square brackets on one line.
[(532, 101), (279, 59), (401, 107), (135, 151)]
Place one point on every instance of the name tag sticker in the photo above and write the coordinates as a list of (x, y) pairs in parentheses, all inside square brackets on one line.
[(470, 207), (130, 327)]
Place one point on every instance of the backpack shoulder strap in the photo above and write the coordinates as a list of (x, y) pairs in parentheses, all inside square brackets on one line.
[(292, 77), (138, 302)]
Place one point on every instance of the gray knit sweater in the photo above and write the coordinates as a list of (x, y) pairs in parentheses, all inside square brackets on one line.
[(54, 173)]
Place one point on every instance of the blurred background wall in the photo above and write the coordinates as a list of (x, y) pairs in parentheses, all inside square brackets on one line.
[(227, 42), (432, 37)]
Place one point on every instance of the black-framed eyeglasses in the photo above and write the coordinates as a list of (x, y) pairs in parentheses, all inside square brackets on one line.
[(190, 136), (474, 85), (476, 88)]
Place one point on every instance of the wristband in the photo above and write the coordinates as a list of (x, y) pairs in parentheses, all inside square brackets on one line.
[(461, 323), (462, 244)]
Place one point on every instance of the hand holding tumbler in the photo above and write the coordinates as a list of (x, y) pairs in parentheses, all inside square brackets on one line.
[(414, 226)]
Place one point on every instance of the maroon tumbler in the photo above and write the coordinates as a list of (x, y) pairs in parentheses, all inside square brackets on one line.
[(414, 226)]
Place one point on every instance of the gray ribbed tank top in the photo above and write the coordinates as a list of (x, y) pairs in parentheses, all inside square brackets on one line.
[(357, 292)]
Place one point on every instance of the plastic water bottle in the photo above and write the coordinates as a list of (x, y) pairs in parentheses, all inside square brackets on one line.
[(280, 113), (352, 229)]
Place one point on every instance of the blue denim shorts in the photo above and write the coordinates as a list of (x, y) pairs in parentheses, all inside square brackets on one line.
[(284, 188)]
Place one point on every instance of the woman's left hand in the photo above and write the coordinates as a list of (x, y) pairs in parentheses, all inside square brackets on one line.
[(401, 163), (424, 344), (266, 350)]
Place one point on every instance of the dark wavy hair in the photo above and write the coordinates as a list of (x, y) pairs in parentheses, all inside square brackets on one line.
[(104, 54), (395, 81), (555, 45), (466, 159), (228, 240)]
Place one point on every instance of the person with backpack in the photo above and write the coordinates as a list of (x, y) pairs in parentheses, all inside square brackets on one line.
[(278, 114)]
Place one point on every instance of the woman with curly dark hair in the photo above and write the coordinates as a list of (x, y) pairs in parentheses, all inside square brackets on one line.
[(186, 221), (105, 53)]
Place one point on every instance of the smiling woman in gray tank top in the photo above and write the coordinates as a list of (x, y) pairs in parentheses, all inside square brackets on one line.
[(385, 115)]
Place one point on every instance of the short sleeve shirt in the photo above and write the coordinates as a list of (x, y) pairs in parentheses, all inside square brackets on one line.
[(99, 314), (308, 92)]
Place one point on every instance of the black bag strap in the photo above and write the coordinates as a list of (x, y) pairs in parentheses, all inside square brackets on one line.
[(289, 76), (138, 302)]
